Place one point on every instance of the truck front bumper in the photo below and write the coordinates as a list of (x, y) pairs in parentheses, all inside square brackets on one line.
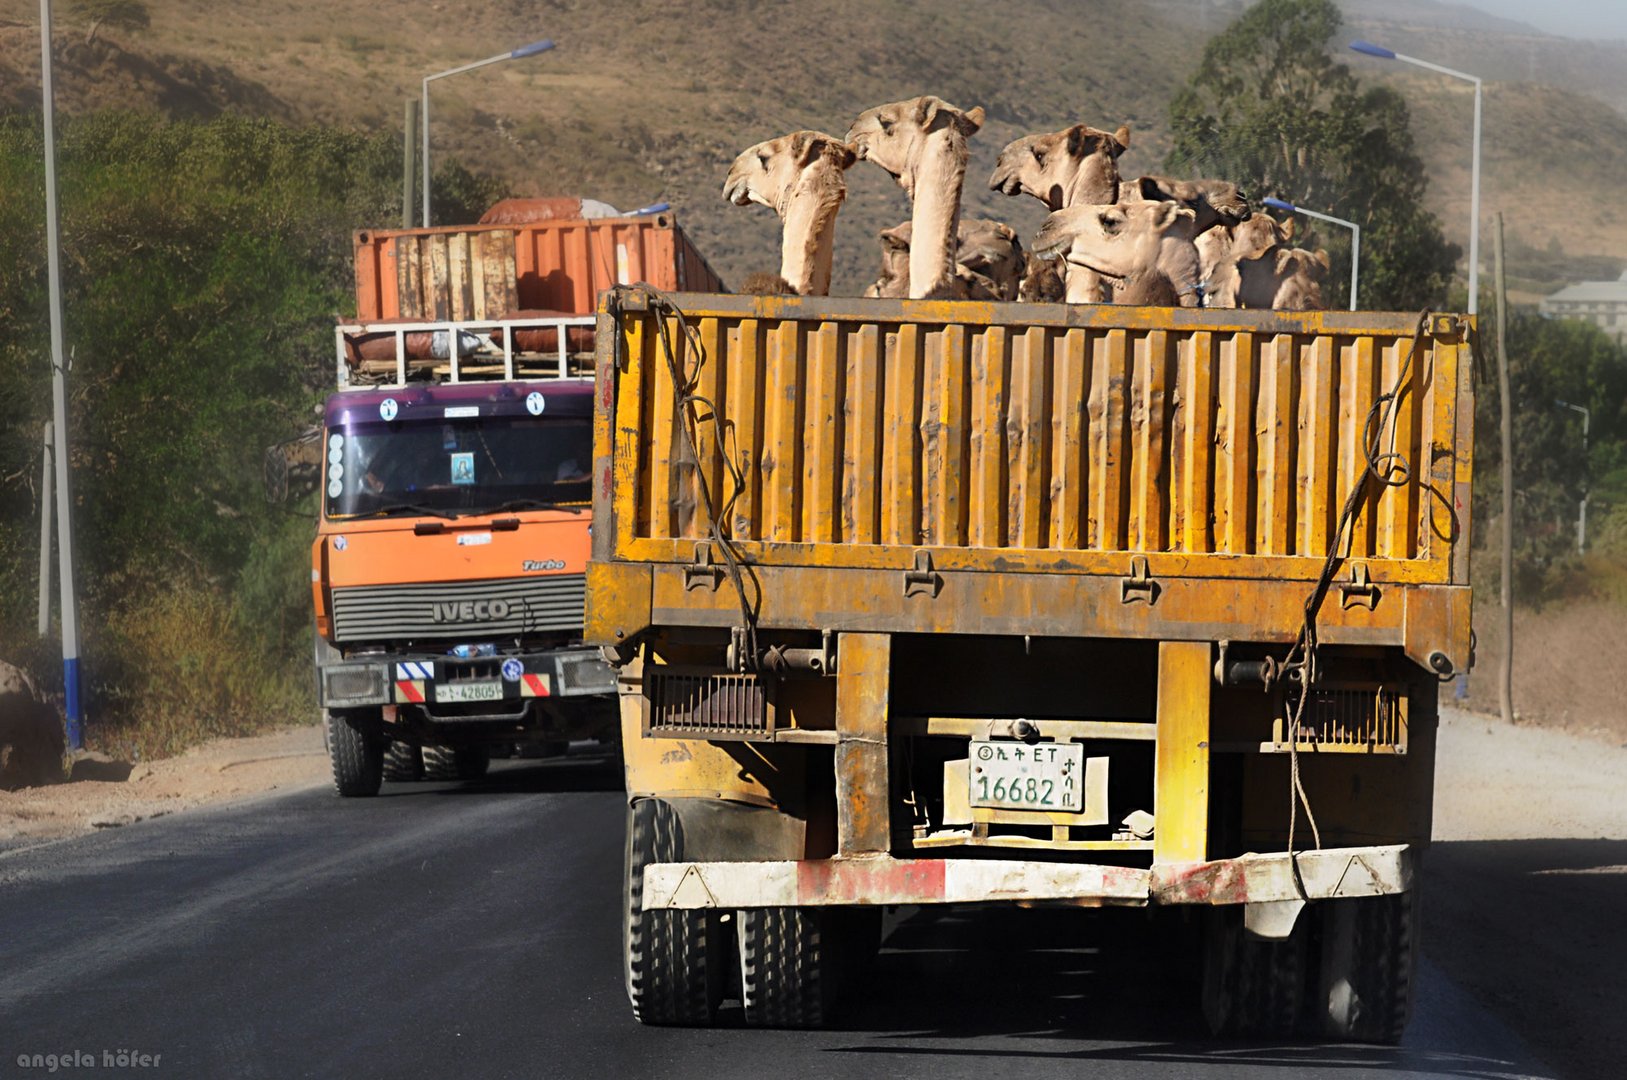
[(1253, 879), (413, 679)]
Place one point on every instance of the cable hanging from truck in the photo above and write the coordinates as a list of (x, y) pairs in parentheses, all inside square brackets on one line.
[(1386, 468)]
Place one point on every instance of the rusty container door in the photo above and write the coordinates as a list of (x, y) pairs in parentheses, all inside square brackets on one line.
[(1047, 438), (457, 272)]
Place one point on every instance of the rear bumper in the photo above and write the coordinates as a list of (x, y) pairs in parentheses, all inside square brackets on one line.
[(883, 880)]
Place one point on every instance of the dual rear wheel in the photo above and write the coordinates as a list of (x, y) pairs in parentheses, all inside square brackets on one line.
[(1345, 972), (785, 964)]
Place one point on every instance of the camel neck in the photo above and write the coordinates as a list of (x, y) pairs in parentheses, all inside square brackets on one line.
[(935, 218), (1095, 184), (809, 236)]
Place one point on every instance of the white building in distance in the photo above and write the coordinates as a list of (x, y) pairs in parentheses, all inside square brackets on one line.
[(1603, 303)]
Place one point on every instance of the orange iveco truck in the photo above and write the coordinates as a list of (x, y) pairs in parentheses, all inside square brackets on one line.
[(448, 567)]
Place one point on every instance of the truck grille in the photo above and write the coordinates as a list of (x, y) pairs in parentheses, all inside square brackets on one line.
[(459, 609), (712, 705)]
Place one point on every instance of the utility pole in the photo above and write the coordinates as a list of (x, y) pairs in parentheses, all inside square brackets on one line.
[(406, 163), (45, 532), (59, 399), (1506, 675)]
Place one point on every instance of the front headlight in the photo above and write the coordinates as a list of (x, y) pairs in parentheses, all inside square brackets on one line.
[(355, 684)]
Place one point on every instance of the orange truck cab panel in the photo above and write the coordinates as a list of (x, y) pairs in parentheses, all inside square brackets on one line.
[(448, 568)]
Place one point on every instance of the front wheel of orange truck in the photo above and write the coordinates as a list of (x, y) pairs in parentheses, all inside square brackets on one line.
[(356, 752), (675, 959), (1369, 953)]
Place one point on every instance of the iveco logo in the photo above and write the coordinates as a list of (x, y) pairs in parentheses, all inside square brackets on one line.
[(471, 610)]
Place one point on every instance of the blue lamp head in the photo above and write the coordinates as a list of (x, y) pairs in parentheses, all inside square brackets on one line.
[(532, 49), (1279, 204), (1373, 50)]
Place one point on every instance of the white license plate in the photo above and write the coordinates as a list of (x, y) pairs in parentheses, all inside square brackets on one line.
[(469, 691), (1017, 776)]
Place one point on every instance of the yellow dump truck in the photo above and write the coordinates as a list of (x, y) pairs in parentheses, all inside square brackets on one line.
[(921, 602)]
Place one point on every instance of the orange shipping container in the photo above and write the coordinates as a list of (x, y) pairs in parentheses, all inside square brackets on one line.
[(560, 265)]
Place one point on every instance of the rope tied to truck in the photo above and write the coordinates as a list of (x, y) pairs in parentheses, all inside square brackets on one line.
[(693, 410), (1384, 468)]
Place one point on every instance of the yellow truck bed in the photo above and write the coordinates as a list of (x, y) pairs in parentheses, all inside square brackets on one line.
[(1034, 469)]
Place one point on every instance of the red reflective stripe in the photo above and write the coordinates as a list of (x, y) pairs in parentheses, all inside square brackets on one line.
[(889, 881), (537, 684), (408, 690)]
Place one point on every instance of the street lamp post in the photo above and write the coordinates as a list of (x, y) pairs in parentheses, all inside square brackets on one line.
[(59, 401), (1382, 53), (1581, 513), (1355, 237), (524, 50)]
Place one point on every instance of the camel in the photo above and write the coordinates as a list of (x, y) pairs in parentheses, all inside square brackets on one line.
[(1217, 205), (1042, 281), (1299, 279), (1242, 259), (894, 282), (1077, 166), (800, 177), (1143, 249), (988, 261), (921, 143)]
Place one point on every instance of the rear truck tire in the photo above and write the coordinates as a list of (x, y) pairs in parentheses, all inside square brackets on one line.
[(787, 966), (403, 761), (471, 762), (356, 754), (675, 960), (1253, 987), (1369, 954)]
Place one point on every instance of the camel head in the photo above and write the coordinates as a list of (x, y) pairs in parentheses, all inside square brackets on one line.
[(1117, 240), (1076, 165), (769, 173), (895, 136), (1213, 202), (1299, 275), (989, 260), (894, 281), (1256, 237)]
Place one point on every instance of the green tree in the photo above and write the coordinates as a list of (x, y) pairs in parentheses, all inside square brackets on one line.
[(129, 15), (1269, 109)]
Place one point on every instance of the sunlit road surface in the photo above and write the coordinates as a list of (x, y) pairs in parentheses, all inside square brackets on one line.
[(474, 930)]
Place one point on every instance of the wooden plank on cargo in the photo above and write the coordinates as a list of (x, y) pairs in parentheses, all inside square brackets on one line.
[(1193, 457), (1234, 472), (1358, 389), (629, 473), (1027, 437), (862, 460), (1109, 480), (708, 376), (1318, 438), (1149, 434), (459, 287), (986, 462), (782, 434), (1069, 442), (743, 395), (409, 287), (822, 435), (1274, 459), (1397, 517), (901, 435), (944, 431), (439, 295)]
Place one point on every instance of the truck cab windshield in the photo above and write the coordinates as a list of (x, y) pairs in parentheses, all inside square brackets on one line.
[(458, 467)]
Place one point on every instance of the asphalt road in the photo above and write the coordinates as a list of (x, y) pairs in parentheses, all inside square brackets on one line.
[(473, 930)]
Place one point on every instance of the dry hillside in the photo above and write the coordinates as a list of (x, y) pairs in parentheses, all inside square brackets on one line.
[(646, 101)]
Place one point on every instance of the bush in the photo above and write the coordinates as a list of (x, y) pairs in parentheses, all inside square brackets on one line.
[(203, 264)]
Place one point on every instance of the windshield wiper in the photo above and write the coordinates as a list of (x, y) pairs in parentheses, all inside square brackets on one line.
[(527, 504), (408, 508)]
